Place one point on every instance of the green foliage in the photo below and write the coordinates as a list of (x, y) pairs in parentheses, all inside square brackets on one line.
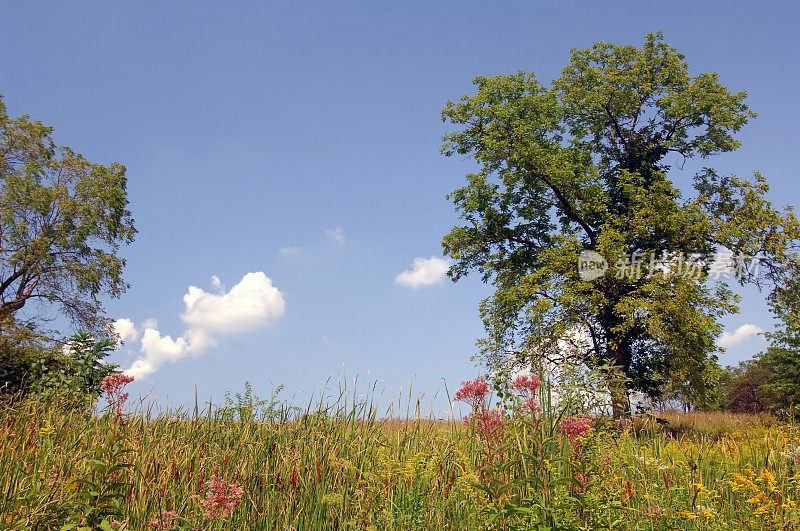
[(742, 387), (782, 389), (771, 380), (72, 373), (768, 382), (105, 485), (249, 407), (82, 371), (24, 353), (62, 221), (584, 165)]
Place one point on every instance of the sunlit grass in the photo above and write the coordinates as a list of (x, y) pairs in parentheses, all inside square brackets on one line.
[(341, 466)]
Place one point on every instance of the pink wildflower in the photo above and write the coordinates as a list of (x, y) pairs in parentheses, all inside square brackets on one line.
[(576, 427), (164, 520), (112, 386), (474, 393), (116, 523), (488, 422), (527, 384), (531, 404), (221, 499)]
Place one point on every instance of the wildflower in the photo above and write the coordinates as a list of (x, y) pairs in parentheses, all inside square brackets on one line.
[(576, 427), (112, 386), (474, 393), (488, 422), (531, 405), (116, 523), (527, 384), (47, 428), (221, 499), (164, 520), (687, 515)]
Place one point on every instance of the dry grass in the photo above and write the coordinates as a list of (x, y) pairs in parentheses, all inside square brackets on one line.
[(345, 470)]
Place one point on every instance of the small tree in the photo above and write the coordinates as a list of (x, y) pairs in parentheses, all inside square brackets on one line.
[(86, 369), (582, 169), (782, 359), (62, 221), (24, 355)]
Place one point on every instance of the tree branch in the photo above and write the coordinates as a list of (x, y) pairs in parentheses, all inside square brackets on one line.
[(567, 207)]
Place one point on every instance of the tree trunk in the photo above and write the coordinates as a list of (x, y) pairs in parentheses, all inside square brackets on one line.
[(620, 400), (617, 380)]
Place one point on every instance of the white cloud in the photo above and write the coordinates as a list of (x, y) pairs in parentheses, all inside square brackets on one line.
[(150, 323), (290, 250), (199, 340), (424, 272), (739, 335), (336, 235), (157, 350), (251, 304), (126, 331)]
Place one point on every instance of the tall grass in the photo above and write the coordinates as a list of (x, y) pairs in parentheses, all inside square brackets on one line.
[(340, 466)]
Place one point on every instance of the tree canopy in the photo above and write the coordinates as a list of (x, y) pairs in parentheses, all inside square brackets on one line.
[(586, 165), (63, 220)]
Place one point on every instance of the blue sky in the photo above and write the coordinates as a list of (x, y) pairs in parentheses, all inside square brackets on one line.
[(314, 128)]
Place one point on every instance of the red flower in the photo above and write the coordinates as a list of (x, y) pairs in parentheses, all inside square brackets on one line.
[(164, 520), (474, 393), (488, 422), (527, 384), (576, 427), (221, 499), (112, 386), (531, 404)]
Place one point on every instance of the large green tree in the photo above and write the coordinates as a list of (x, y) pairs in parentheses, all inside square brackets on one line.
[(62, 222), (585, 165)]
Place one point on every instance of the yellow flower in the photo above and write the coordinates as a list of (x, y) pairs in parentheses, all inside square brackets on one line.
[(761, 511)]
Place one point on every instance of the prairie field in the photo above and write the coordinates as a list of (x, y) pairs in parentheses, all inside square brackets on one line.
[(342, 467)]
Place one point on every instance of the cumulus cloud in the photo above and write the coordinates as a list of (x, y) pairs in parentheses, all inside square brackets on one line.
[(740, 335), (199, 340), (251, 304), (125, 330), (336, 235), (424, 272), (150, 323), (156, 350)]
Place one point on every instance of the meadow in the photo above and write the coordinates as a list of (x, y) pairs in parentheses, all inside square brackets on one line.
[(339, 465)]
